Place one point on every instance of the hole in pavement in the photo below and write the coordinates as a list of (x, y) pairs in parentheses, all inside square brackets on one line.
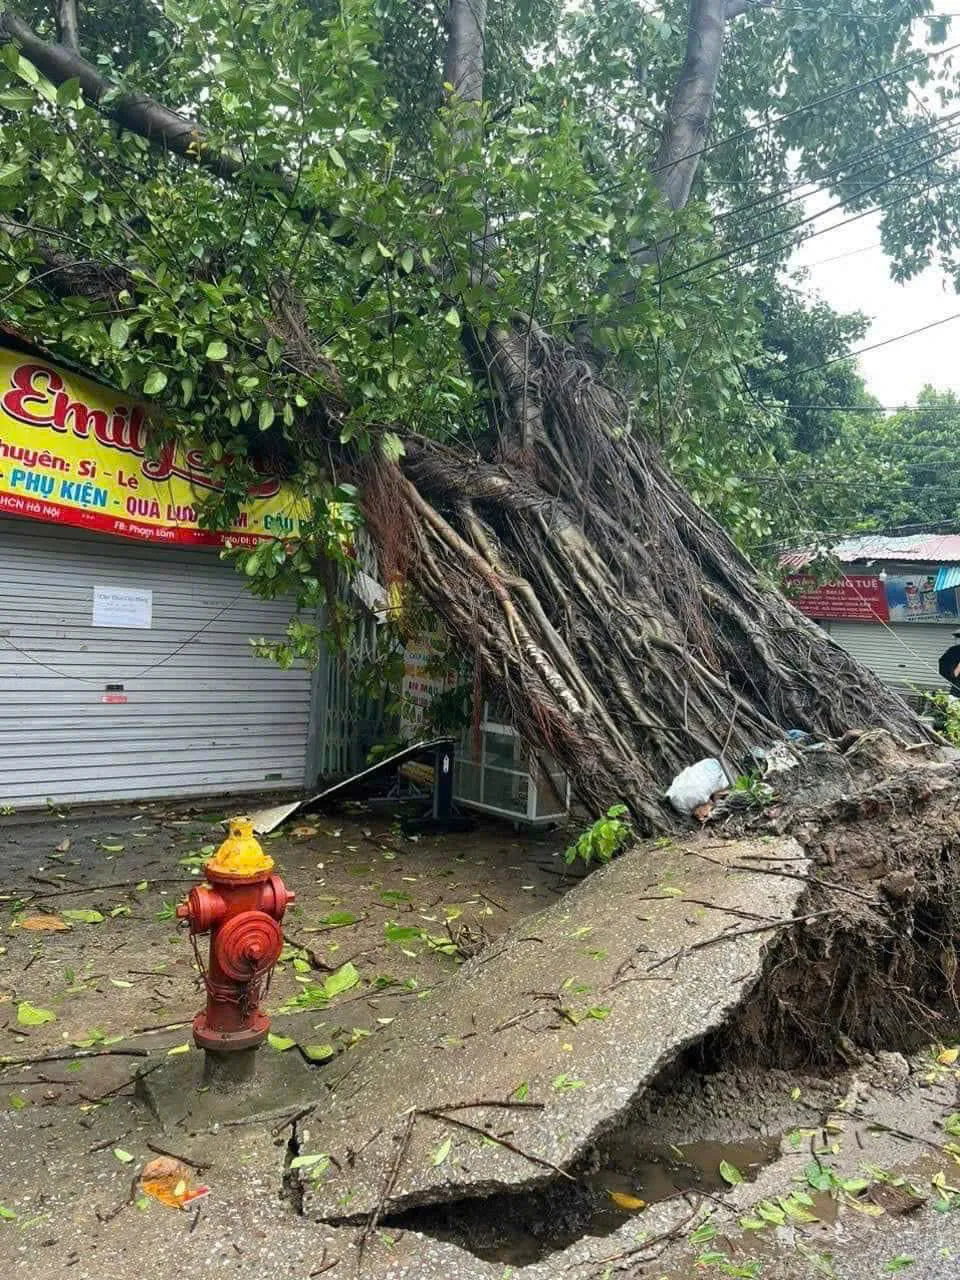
[(519, 1228)]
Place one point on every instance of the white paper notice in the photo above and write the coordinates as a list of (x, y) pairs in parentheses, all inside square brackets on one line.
[(122, 607)]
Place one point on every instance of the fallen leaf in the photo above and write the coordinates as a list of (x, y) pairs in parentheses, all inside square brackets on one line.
[(113, 848), (64, 846), (84, 915), (947, 1057), (123, 1156), (28, 1015), (441, 1152), (624, 1201), (6, 1213), (43, 924), (121, 982), (309, 1162), (302, 833), (318, 1052), (178, 1048), (280, 1043), (141, 885), (730, 1173)]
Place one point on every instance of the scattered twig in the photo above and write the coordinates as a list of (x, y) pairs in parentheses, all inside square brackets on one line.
[(387, 1189), (488, 1102), (789, 875), (352, 1155), (70, 1057), (160, 1026), (474, 1128), (198, 1165), (489, 898), (95, 888), (294, 1119), (316, 960), (739, 933), (102, 1146)]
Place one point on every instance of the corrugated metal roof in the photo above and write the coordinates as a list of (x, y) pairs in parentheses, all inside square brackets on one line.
[(947, 577), (926, 548)]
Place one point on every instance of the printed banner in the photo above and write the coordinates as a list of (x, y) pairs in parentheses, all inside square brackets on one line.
[(73, 452), (915, 598), (860, 598), (895, 598), (419, 687)]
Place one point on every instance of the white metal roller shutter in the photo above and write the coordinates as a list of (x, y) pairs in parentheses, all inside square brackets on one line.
[(203, 714), (904, 654)]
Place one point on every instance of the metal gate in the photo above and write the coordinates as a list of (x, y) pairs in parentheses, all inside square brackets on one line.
[(902, 654), (111, 712)]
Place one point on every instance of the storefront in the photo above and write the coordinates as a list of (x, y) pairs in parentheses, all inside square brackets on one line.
[(126, 669), (896, 607)]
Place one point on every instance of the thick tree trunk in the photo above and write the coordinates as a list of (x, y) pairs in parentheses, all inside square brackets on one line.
[(625, 630)]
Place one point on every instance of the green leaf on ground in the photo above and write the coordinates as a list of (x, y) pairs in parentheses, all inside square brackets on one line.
[(899, 1263), (6, 1213), (401, 932), (178, 1048), (344, 978), (123, 1156), (318, 1052), (441, 1152), (338, 919), (28, 1015), (280, 1043), (730, 1173), (521, 1092), (310, 1162), (83, 915)]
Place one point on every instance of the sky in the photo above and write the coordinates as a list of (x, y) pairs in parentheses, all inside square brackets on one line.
[(848, 268)]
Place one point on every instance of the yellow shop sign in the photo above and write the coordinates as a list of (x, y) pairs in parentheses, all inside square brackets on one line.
[(73, 452)]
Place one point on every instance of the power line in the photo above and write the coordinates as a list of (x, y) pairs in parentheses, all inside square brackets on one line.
[(875, 346), (812, 217), (943, 180), (859, 163), (838, 257), (833, 96)]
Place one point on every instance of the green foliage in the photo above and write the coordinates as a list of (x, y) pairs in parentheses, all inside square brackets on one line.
[(400, 232), (919, 446), (603, 839), (753, 789), (945, 711)]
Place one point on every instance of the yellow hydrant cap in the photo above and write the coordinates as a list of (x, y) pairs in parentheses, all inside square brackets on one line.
[(241, 854)]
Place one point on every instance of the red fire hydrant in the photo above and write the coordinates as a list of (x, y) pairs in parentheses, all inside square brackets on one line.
[(241, 908)]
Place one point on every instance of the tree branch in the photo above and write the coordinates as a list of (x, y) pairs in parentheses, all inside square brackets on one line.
[(689, 114), (68, 25), (465, 24), (135, 112)]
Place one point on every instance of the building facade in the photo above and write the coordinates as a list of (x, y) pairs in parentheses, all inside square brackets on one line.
[(126, 664), (896, 607)]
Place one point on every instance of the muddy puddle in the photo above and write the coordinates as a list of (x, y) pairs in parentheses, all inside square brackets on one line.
[(519, 1229)]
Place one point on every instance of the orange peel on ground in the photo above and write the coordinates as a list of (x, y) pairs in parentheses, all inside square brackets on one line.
[(171, 1182), (43, 924)]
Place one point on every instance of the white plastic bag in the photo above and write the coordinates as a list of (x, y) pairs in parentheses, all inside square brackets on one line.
[(695, 785)]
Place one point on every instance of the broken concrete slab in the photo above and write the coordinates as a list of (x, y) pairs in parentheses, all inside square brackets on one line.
[(538, 1045)]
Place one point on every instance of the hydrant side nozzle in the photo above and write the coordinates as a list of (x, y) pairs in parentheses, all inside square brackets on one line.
[(183, 911)]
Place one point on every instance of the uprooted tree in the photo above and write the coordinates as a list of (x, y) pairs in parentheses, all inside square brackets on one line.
[(469, 276)]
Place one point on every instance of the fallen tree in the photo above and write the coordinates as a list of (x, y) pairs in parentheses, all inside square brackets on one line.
[(622, 625)]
